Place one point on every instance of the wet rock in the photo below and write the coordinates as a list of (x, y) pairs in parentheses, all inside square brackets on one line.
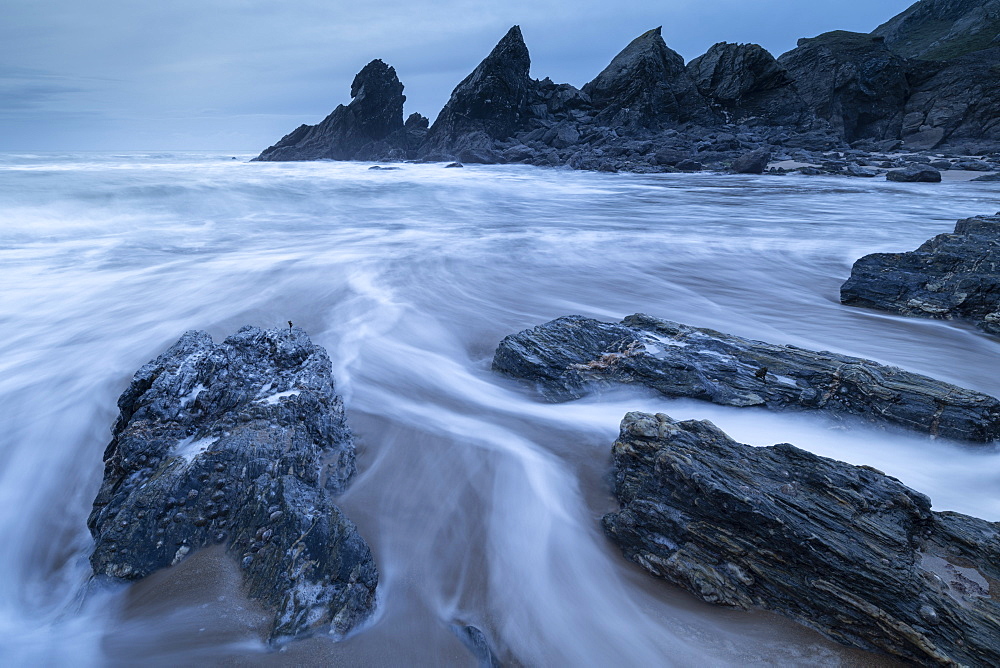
[(856, 170), (853, 81), (914, 174), (844, 549), (475, 641), (690, 166), (647, 87), (242, 443), (989, 177), (973, 166), (950, 276), (748, 85), (573, 356), (754, 162), (369, 128)]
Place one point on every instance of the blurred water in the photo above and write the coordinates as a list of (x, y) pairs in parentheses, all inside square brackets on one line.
[(482, 504)]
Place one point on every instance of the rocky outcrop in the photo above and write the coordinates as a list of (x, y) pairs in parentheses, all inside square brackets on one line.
[(645, 87), (648, 112), (746, 83), (844, 549), (243, 444), (950, 276), (853, 81), (955, 103), (943, 29), (573, 356), (369, 128), (489, 104)]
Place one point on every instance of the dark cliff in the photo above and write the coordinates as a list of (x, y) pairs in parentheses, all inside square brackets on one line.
[(928, 78)]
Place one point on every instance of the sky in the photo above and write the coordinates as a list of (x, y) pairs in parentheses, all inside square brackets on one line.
[(236, 75)]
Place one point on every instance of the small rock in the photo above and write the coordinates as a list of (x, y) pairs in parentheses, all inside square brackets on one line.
[(915, 174)]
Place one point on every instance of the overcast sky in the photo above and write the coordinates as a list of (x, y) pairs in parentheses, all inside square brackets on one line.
[(236, 75)]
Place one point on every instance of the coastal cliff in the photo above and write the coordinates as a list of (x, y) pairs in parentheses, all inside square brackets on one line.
[(924, 80)]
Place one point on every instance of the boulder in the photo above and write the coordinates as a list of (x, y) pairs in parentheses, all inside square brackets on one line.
[(241, 443), (914, 173), (846, 550), (369, 128), (573, 356), (853, 81), (748, 85), (647, 87), (754, 162), (950, 276), (492, 102)]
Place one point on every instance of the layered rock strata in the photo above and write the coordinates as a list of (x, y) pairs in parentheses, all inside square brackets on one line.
[(242, 443), (846, 550), (953, 275), (573, 356)]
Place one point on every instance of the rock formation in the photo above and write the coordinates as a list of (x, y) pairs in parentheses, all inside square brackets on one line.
[(241, 443), (925, 80), (943, 29), (746, 83), (950, 276), (369, 128), (647, 87), (489, 104), (844, 549), (573, 356), (956, 103), (853, 81)]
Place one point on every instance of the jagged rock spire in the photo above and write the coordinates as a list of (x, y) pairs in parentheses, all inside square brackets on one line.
[(491, 100), (647, 86)]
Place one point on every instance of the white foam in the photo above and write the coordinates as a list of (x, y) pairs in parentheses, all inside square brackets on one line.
[(190, 448), (275, 398)]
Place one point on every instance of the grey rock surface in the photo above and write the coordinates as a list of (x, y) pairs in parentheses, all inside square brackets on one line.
[(241, 443), (573, 356), (853, 81), (846, 550), (943, 29), (955, 103), (369, 128), (953, 275)]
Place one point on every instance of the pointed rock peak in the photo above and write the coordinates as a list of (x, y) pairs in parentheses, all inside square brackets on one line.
[(378, 75), (513, 35), (510, 48)]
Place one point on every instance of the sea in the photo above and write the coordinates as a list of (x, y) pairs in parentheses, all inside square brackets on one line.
[(481, 502)]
